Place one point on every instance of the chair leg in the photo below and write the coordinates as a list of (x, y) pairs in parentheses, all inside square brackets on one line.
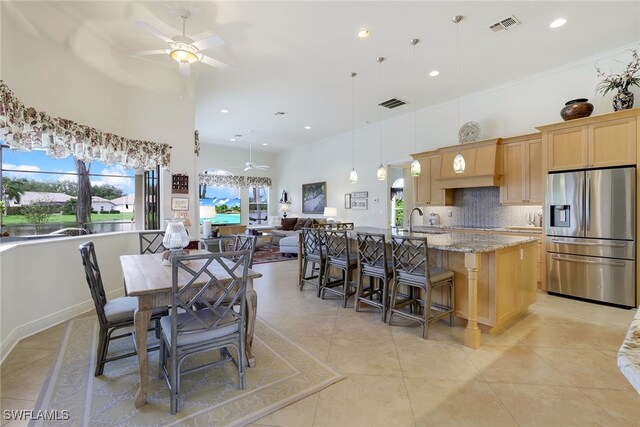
[(103, 346), (392, 304), (303, 273), (384, 296), (173, 380), (241, 365), (358, 291), (320, 276), (451, 301), (325, 277), (427, 312)]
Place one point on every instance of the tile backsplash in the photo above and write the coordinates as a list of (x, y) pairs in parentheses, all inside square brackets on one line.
[(480, 207)]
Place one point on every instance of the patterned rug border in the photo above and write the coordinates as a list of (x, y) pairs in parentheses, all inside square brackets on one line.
[(48, 386)]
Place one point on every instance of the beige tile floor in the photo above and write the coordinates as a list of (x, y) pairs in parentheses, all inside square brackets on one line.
[(557, 366)]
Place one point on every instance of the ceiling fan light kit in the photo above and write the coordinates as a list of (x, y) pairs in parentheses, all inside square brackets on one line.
[(185, 53)]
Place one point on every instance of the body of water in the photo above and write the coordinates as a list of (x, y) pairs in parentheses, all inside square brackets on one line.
[(223, 219), (94, 227)]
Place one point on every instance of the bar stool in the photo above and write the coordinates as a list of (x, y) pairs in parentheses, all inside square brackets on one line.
[(373, 262), (314, 255), (338, 256), (411, 269), (344, 225)]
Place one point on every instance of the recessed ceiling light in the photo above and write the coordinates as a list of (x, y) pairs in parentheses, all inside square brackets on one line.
[(223, 111), (264, 143), (232, 140), (434, 73), (363, 33), (307, 127), (558, 23)]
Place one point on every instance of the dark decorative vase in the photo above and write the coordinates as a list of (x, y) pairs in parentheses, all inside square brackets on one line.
[(623, 100), (576, 108)]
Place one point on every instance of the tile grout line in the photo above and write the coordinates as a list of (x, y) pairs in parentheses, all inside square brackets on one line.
[(502, 403), (404, 379)]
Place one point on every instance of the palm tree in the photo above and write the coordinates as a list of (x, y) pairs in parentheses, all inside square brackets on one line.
[(83, 205), (12, 189)]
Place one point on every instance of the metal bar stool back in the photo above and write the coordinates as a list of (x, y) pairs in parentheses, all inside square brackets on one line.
[(314, 256), (411, 269), (373, 261), (339, 257)]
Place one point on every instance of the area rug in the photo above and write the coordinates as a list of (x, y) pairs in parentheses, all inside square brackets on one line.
[(284, 373), (270, 254)]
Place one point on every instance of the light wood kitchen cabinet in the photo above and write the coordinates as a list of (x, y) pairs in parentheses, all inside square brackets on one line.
[(428, 190), (522, 179), (599, 144)]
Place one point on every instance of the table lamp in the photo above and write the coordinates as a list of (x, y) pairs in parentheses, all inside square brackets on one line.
[(207, 213), (175, 238), (284, 209), (330, 213)]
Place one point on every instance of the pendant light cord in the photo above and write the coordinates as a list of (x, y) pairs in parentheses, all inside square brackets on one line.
[(415, 87), (380, 59), (458, 71)]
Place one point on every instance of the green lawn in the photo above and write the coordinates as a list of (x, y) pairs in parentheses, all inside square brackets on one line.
[(57, 218)]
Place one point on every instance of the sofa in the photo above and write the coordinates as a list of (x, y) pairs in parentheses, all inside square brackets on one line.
[(292, 226)]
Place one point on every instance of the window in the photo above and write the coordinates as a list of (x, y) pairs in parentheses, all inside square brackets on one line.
[(258, 205), (40, 195)]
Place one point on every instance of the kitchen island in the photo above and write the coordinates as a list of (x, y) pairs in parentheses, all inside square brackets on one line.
[(495, 276)]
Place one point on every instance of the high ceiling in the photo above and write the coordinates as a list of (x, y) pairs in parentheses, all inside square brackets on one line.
[(296, 56)]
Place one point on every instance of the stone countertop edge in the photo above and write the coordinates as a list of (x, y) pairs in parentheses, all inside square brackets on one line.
[(457, 241), (629, 354), (500, 229)]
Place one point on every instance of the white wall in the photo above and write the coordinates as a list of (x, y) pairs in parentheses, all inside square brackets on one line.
[(43, 282), (512, 109)]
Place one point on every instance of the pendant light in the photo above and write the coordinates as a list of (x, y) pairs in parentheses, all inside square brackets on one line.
[(458, 160), (382, 171), (415, 164), (353, 176)]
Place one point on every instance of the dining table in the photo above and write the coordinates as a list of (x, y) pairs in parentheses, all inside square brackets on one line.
[(146, 278)]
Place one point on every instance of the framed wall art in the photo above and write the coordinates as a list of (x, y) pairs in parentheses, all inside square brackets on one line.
[(347, 201), (360, 194), (359, 203), (179, 203), (314, 197)]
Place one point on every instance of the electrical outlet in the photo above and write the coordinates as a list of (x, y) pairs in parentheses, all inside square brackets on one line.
[(449, 214)]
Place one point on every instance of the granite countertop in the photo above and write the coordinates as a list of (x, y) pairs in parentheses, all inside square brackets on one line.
[(629, 354), (509, 229), (455, 241)]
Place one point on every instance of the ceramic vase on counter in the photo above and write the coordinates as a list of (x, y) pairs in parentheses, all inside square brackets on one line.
[(576, 109)]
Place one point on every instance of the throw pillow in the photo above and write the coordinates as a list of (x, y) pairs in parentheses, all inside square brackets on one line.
[(302, 223), (288, 223)]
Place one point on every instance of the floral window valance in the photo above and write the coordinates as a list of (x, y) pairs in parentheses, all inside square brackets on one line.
[(233, 180), (24, 128)]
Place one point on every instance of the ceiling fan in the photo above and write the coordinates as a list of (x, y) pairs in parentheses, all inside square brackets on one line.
[(183, 49), (250, 165)]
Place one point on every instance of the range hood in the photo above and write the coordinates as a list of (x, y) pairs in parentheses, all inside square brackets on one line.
[(483, 165)]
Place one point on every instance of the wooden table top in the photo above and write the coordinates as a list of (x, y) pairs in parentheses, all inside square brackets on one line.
[(145, 274)]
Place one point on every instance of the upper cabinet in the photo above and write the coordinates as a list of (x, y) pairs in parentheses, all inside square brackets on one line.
[(483, 165), (522, 179), (427, 187), (601, 142)]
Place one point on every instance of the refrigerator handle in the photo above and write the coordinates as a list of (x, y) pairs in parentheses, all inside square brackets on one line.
[(588, 203)]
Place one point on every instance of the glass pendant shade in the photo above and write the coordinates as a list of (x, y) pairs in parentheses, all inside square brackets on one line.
[(353, 176), (458, 163), (415, 168), (176, 236), (382, 173)]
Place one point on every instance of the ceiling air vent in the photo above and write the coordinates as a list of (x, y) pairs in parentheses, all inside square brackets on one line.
[(392, 103), (505, 24), (279, 113)]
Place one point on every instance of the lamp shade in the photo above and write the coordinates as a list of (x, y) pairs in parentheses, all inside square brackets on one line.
[(284, 208), (330, 212), (415, 168), (176, 236), (207, 212)]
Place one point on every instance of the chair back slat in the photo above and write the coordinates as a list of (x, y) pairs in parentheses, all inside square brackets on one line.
[(151, 242), (208, 300), (344, 226), (312, 241), (410, 256), (337, 245), (94, 279), (372, 250), (325, 226)]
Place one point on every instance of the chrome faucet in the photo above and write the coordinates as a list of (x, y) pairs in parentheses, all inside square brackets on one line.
[(411, 218)]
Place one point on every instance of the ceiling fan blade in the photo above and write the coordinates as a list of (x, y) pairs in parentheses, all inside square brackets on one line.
[(185, 70), (154, 31), (147, 52), (214, 62), (208, 42), (248, 168), (261, 167)]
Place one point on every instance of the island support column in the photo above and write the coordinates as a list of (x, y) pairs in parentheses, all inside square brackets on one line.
[(472, 332)]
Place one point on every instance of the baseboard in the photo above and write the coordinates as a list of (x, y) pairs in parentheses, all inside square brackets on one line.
[(38, 325)]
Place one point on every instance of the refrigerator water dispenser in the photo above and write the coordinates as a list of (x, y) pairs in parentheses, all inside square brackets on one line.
[(560, 216)]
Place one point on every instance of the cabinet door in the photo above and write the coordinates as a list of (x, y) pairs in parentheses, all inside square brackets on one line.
[(439, 197), (567, 148), (422, 183), (612, 143), (513, 188), (533, 181)]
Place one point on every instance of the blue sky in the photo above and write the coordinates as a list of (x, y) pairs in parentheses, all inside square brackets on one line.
[(37, 160)]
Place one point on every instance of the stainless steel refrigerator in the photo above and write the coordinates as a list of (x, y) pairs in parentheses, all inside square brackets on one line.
[(591, 226)]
